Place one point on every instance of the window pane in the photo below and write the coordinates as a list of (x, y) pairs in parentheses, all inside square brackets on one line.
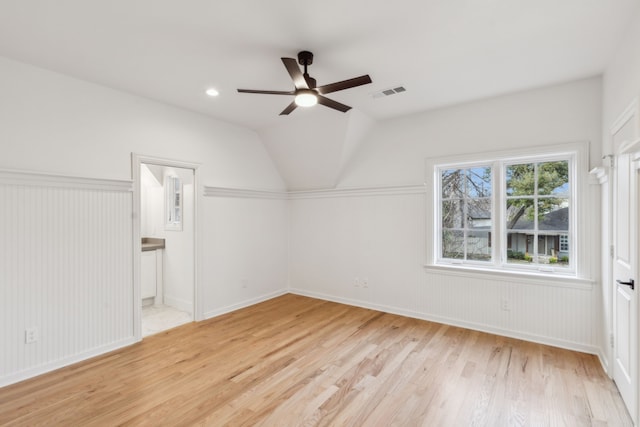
[(564, 243), (549, 250), (553, 178), (453, 183), (520, 180), (519, 245), (466, 213), (452, 214), (479, 214), (478, 246), (453, 244), (553, 214), (563, 251), (479, 182), (520, 214)]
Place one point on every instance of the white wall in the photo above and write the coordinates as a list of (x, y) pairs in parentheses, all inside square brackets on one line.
[(54, 123), (57, 124), (151, 202), (60, 125), (394, 152), (621, 80), (244, 247), (178, 276), (339, 238)]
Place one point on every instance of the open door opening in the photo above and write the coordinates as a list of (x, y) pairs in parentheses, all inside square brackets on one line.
[(165, 225)]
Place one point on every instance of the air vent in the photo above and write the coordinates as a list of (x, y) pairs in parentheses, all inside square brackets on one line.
[(388, 92)]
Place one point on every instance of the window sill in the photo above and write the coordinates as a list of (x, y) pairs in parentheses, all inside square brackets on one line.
[(527, 278)]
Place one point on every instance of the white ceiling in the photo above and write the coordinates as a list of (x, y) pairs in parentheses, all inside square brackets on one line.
[(442, 51)]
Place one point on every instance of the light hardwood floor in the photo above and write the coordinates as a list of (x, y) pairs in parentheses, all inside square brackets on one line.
[(296, 361)]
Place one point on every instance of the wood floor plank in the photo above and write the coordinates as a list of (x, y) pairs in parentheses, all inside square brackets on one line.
[(297, 361)]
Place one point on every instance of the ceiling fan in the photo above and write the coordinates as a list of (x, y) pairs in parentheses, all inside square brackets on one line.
[(307, 93)]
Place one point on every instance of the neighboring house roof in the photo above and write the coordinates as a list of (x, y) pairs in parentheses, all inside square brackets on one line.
[(557, 220), (554, 220), (477, 212)]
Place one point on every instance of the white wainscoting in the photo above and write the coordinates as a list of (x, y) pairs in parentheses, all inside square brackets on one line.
[(244, 248), (65, 269), (367, 248)]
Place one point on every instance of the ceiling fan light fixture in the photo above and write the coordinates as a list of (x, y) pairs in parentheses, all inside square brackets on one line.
[(307, 93), (306, 98)]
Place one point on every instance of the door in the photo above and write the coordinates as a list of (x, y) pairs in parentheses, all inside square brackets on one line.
[(625, 260)]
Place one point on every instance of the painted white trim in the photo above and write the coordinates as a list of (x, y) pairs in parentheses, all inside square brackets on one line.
[(569, 345), (604, 362), (38, 179), (522, 277), (600, 174), (358, 192), (630, 147), (243, 304), (313, 194), (243, 193), (630, 112), (52, 366)]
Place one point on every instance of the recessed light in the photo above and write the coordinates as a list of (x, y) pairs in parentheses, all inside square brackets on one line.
[(212, 92)]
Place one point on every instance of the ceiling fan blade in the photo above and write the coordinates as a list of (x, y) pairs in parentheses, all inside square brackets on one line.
[(333, 104), (345, 84), (267, 92), (289, 108), (299, 80)]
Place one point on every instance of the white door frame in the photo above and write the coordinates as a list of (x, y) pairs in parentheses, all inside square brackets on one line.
[(136, 161), (625, 139)]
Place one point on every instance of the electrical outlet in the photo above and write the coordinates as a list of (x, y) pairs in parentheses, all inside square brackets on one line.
[(365, 282), (356, 282), (504, 304), (30, 335)]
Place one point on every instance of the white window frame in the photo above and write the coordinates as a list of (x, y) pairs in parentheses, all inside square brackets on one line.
[(578, 156)]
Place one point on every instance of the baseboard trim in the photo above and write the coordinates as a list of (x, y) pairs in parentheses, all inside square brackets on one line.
[(604, 361), (568, 345), (243, 304), (55, 365)]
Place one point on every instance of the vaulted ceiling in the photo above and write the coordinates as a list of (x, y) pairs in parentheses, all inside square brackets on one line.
[(442, 51)]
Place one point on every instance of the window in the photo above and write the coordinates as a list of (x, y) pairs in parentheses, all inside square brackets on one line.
[(564, 243), (537, 206), (466, 206), (513, 213), (173, 203)]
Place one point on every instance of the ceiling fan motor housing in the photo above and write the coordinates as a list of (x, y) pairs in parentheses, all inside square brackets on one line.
[(305, 58)]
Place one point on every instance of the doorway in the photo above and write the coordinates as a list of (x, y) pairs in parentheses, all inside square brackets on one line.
[(165, 230)]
